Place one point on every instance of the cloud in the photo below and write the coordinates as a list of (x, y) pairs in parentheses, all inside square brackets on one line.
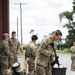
[(40, 15)]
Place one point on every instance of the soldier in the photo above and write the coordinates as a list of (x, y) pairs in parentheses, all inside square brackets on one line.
[(72, 50), (46, 54), (31, 55), (4, 54), (14, 46)]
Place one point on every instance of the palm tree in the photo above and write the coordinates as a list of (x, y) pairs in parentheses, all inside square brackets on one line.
[(70, 26), (69, 16)]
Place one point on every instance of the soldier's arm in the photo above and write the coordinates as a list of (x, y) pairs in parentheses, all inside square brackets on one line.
[(25, 46), (18, 47), (6, 50), (10, 43), (43, 50), (72, 49)]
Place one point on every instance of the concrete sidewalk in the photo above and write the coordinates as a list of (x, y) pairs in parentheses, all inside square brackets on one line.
[(64, 60)]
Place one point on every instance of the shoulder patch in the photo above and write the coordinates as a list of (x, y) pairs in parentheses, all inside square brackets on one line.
[(45, 43)]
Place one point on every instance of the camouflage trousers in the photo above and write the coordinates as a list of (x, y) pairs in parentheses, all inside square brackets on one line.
[(73, 65), (40, 70), (31, 67), (3, 65), (12, 60)]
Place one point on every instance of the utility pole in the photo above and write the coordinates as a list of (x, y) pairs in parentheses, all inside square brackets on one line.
[(21, 19), (17, 27)]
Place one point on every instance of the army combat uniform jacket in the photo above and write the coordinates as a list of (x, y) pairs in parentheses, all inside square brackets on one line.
[(4, 49), (14, 46), (4, 56), (45, 51)]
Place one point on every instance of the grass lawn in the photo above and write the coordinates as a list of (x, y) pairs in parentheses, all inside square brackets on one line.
[(21, 54), (65, 51)]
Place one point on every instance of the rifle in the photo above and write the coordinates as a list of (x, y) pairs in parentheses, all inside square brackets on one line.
[(56, 57)]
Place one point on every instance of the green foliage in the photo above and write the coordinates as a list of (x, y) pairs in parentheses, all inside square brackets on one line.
[(68, 26), (70, 38), (20, 54), (67, 15), (73, 5), (71, 32), (62, 46), (65, 51)]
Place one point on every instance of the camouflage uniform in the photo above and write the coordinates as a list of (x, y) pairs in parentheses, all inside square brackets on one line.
[(31, 59), (14, 46), (44, 57), (72, 50), (4, 55)]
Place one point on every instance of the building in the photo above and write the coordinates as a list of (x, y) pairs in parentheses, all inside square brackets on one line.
[(4, 17)]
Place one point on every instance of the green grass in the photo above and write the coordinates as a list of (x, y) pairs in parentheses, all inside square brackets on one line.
[(65, 51), (21, 54)]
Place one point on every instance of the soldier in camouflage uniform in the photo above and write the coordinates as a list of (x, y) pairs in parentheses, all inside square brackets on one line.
[(31, 55), (72, 50), (4, 54), (14, 46), (46, 54)]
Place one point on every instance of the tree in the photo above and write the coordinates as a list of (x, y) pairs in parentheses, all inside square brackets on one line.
[(70, 25), (69, 16), (73, 6)]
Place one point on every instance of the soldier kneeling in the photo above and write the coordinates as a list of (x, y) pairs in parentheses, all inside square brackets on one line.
[(15, 70)]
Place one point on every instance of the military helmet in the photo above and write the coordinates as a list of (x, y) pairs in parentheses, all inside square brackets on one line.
[(16, 67)]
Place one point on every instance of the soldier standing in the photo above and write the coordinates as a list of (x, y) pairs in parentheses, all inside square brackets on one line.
[(14, 46), (4, 54), (72, 50), (31, 55), (46, 54)]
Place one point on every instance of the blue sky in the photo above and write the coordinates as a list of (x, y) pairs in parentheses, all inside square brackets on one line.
[(39, 15)]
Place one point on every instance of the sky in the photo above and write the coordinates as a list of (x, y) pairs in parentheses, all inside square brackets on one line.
[(40, 15)]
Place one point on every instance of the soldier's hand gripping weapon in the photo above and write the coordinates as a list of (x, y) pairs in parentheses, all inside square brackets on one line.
[(56, 57)]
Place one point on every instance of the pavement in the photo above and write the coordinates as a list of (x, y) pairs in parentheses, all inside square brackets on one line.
[(64, 60)]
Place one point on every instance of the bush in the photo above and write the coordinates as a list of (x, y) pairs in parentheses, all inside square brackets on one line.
[(66, 50)]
